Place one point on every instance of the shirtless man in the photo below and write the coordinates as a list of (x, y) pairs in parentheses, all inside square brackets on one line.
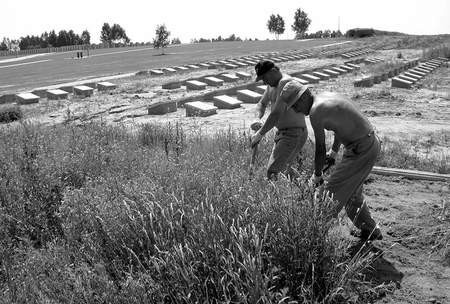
[(336, 113), (292, 132)]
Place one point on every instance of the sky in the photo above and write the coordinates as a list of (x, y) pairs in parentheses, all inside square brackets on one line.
[(208, 18)]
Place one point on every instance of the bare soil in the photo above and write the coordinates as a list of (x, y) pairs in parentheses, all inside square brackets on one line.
[(411, 213)]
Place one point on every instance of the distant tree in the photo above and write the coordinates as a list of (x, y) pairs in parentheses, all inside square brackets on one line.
[(52, 38), (44, 40), (161, 39), (105, 34), (275, 24), (301, 23), (176, 41), (118, 34), (327, 34), (85, 37), (63, 38), (4, 46)]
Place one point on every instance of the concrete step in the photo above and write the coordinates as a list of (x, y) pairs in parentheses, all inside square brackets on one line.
[(56, 94), (365, 82), (310, 78), (156, 72), (248, 96), (83, 91), (169, 70), (162, 108), (213, 81), (27, 98), (407, 78), (226, 102), (228, 77), (321, 75), (243, 75), (195, 85), (106, 85), (172, 85), (331, 73), (199, 108), (400, 83)]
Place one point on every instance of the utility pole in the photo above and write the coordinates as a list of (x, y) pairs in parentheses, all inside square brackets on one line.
[(339, 23)]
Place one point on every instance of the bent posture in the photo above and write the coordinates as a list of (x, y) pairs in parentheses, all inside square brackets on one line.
[(282, 90), (334, 112)]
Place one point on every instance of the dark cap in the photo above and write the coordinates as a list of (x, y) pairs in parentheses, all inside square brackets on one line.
[(263, 67)]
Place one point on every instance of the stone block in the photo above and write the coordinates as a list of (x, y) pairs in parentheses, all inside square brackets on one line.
[(193, 66), (213, 81), (169, 70), (106, 85), (57, 94), (419, 69), (243, 75), (417, 77), (228, 77), (181, 68), (248, 96), (321, 75), (400, 83), (416, 72), (204, 65), (68, 89), (407, 78), (302, 81), (162, 108), (83, 91), (260, 89), (365, 82), (331, 73), (172, 85), (230, 66), (214, 65), (276, 59), (430, 65), (226, 102), (27, 98), (429, 69), (352, 65), (42, 93), (199, 108), (310, 78), (156, 72), (195, 85), (346, 67), (339, 70)]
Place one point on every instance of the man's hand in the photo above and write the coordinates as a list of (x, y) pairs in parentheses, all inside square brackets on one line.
[(256, 138), (260, 110), (315, 181)]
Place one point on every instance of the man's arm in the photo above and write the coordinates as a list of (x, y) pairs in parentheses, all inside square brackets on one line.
[(272, 119), (262, 104), (336, 144)]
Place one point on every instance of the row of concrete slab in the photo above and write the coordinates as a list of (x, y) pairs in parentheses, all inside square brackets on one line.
[(413, 74), (356, 53), (250, 93), (63, 92)]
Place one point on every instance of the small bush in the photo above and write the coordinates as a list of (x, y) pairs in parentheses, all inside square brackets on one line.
[(10, 113)]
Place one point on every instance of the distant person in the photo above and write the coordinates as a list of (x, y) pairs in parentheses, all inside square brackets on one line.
[(291, 127), (337, 113)]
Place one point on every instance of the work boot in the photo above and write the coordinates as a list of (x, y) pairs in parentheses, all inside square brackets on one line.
[(368, 235)]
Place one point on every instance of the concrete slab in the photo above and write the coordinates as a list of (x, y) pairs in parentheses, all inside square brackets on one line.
[(26, 98), (365, 82), (339, 70), (106, 85), (243, 75), (354, 66), (424, 67), (321, 75), (169, 70), (162, 108), (199, 108), (90, 84), (346, 67), (302, 81), (193, 66), (195, 85), (228, 77), (417, 77), (248, 96), (416, 72), (181, 68), (213, 81), (56, 94), (226, 102), (260, 89), (407, 78), (331, 73), (68, 89), (310, 78), (204, 65), (156, 72), (83, 91), (172, 85), (40, 92), (400, 83), (425, 71), (230, 66)]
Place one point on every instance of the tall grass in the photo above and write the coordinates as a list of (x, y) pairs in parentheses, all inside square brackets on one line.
[(96, 214)]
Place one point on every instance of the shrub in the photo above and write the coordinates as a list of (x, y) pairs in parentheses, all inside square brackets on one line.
[(9, 113)]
